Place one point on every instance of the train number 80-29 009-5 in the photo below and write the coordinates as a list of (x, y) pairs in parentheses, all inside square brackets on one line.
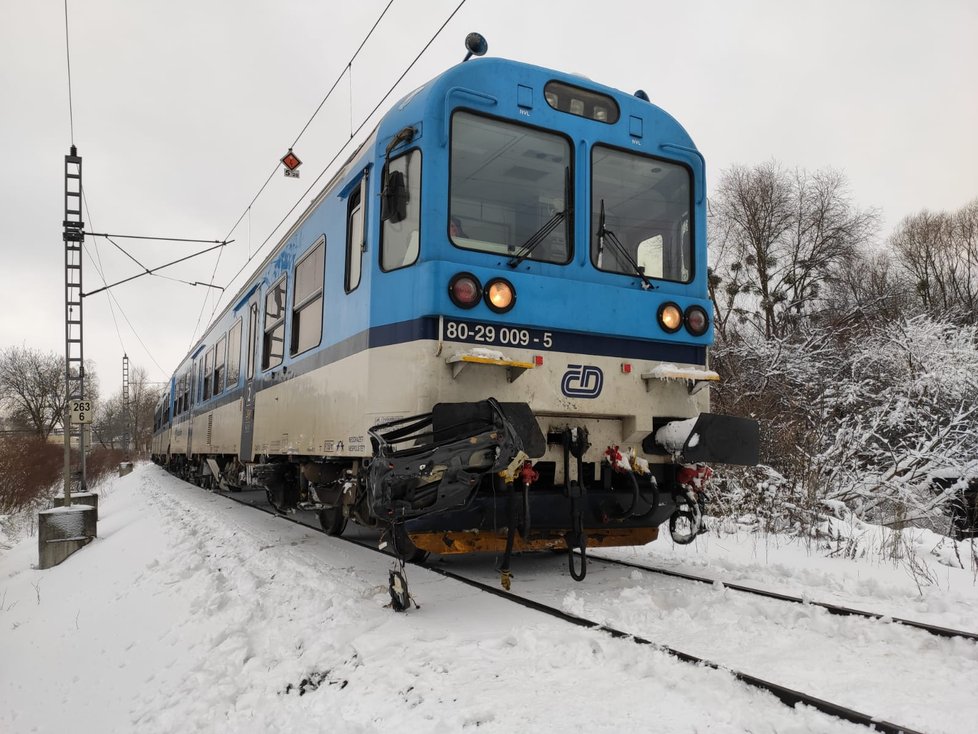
[(495, 335)]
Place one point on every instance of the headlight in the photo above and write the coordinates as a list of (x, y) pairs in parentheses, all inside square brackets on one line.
[(670, 317), (500, 295), (464, 290), (697, 322)]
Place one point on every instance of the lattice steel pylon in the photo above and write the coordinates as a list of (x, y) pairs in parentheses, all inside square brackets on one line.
[(74, 237), (127, 415)]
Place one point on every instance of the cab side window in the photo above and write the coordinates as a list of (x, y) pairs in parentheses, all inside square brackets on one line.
[(355, 242), (400, 239)]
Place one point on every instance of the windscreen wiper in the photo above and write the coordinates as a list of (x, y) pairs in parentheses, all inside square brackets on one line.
[(606, 234), (527, 248)]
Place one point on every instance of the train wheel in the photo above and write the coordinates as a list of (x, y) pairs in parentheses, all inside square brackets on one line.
[(275, 502), (332, 520)]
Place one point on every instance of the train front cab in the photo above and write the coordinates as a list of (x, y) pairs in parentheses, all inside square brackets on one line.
[(561, 265)]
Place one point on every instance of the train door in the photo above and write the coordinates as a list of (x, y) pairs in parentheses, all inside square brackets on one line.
[(246, 452)]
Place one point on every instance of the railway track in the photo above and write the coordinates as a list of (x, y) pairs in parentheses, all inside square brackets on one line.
[(831, 608), (788, 696)]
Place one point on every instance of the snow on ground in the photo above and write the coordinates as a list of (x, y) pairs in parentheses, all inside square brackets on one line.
[(932, 579), (194, 613)]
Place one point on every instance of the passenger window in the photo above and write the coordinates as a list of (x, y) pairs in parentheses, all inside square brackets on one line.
[(208, 365), (234, 355), (355, 243), (400, 240), (273, 346), (307, 300), (219, 360), (252, 337)]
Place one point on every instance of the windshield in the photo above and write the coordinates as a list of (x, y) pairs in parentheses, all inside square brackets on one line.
[(507, 182), (646, 205)]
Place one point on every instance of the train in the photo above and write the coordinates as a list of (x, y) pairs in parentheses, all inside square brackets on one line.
[(488, 332)]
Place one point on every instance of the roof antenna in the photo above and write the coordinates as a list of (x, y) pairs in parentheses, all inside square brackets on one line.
[(476, 45)]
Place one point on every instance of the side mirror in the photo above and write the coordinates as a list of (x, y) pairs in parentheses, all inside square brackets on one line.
[(393, 199)]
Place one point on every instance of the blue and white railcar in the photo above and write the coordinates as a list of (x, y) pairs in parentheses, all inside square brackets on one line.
[(488, 332)]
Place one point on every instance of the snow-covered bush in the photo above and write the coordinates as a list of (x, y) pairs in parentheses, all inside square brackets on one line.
[(906, 412), (865, 414)]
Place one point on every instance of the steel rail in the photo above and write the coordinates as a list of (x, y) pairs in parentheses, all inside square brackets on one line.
[(830, 608)]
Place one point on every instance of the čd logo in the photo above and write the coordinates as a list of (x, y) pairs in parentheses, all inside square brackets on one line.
[(582, 381)]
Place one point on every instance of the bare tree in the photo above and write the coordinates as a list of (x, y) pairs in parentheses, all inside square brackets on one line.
[(939, 251), (113, 422), (32, 387), (872, 287), (143, 395), (110, 423), (782, 237)]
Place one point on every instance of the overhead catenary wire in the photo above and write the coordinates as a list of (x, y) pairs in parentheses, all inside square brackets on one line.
[(118, 305), (152, 271), (160, 239), (99, 268), (313, 116), (347, 71), (97, 260), (71, 113), (335, 157), (112, 298), (123, 251)]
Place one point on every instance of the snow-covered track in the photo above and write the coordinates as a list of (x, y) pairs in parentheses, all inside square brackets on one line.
[(788, 696), (830, 608)]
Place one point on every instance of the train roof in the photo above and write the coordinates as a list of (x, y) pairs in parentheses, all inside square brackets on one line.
[(499, 79)]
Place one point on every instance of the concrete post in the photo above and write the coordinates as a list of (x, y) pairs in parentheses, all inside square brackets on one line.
[(63, 530), (89, 499)]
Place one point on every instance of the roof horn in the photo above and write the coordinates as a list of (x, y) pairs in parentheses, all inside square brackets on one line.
[(476, 45)]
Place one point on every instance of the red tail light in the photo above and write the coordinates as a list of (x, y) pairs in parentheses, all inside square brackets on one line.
[(465, 290)]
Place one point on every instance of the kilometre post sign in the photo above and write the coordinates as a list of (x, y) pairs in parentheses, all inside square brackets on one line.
[(80, 411)]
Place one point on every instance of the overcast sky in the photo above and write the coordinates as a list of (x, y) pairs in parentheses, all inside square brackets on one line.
[(182, 109)]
